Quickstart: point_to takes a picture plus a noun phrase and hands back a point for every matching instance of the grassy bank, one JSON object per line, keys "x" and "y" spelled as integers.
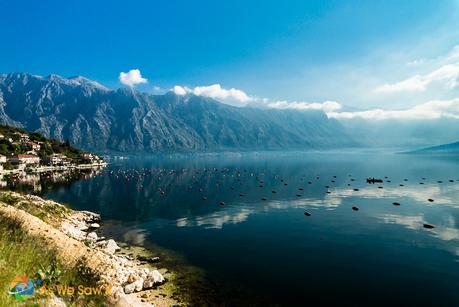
{"x": 24, "y": 255}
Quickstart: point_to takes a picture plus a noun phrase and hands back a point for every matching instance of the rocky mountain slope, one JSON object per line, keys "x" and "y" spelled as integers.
{"x": 96, "y": 118}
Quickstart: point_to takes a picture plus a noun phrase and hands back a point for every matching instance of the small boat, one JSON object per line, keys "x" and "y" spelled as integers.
{"x": 374, "y": 180}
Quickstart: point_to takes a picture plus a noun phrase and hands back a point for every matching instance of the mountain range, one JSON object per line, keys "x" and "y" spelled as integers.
{"x": 452, "y": 148}
{"x": 94, "y": 117}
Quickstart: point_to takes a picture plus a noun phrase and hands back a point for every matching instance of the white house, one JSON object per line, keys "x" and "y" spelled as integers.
{"x": 32, "y": 146}
{"x": 23, "y": 137}
{"x": 57, "y": 159}
{"x": 92, "y": 157}
{"x": 25, "y": 159}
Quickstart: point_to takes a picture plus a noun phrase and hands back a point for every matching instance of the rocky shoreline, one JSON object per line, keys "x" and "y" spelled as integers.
{"x": 126, "y": 279}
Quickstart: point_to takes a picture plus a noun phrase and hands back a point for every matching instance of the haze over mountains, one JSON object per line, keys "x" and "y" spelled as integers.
{"x": 94, "y": 117}
{"x": 402, "y": 134}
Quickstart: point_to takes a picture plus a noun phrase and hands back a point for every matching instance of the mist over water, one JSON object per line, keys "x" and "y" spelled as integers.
{"x": 240, "y": 217}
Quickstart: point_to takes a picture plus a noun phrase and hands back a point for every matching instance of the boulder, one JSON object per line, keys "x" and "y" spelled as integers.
{"x": 111, "y": 247}
{"x": 129, "y": 288}
{"x": 138, "y": 284}
{"x": 92, "y": 236}
{"x": 153, "y": 278}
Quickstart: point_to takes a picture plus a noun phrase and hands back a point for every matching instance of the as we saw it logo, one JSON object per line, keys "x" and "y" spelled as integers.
{"x": 22, "y": 288}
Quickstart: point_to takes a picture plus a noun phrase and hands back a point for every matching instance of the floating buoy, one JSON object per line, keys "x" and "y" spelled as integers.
{"x": 299, "y": 195}
{"x": 355, "y": 208}
{"x": 356, "y": 190}
{"x": 300, "y": 189}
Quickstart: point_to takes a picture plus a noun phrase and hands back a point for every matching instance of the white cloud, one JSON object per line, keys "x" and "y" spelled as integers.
{"x": 180, "y": 90}
{"x": 327, "y": 106}
{"x": 132, "y": 78}
{"x": 430, "y": 110}
{"x": 415, "y": 83}
{"x": 416, "y": 62}
{"x": 238, "y": 97}
{"x": 447, "y": 73}
{"x": 216, "y": 91}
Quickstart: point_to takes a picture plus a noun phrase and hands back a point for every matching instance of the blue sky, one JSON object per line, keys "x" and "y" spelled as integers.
{"x": 293, "y": 51}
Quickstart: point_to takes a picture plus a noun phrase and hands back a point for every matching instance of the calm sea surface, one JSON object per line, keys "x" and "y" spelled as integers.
{"x": 241, "y": 218}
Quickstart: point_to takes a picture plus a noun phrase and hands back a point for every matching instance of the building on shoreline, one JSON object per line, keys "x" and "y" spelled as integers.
{"x": 92, "y": 158}
{"x": 24, "y": 160}
{"x": 56, "y": 159}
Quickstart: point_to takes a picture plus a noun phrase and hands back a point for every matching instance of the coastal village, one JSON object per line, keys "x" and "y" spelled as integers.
{"x": 28, "y": 159}
{"x": 32, "y": 152}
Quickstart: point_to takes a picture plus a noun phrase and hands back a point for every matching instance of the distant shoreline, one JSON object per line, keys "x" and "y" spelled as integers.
{"x": 42, "y": 169}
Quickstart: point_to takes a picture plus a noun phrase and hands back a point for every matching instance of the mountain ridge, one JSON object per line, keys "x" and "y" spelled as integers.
{"x": 444, "y": 148}
{"x": 94, "y": 117}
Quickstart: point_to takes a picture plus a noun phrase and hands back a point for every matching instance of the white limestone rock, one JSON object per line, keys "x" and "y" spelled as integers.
{"x": 111, "y": 247}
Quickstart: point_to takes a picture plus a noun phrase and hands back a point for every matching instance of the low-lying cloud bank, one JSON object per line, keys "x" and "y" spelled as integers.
{"x": 216, "y": 91}
{"x": 435, "y": 109}
{"x": 239, "y": 98}
{"x": 327, "y": 106}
